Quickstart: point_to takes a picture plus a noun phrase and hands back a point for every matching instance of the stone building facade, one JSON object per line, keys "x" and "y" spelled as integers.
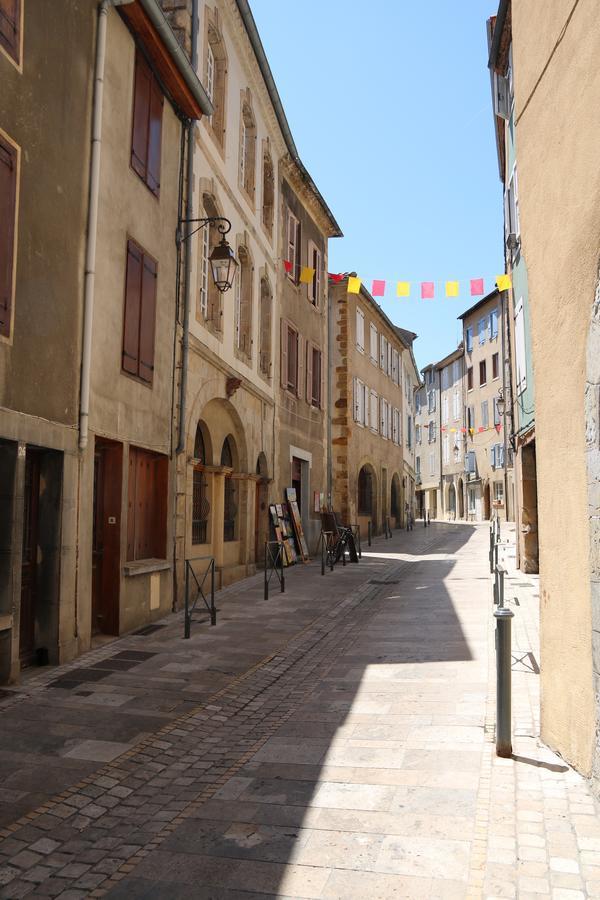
{"x": 369, "y": 412}
{"x": 488, "y": 469}
{"x": 427, "y": 445}
{"x": 453, "y": 434}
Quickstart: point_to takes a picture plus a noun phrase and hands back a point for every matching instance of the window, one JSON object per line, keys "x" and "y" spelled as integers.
{"x": 10, "y": 28}
{"x": 396, "y": 367}
{"x": 431, "y": 401}
{"x": 418, "y": 434}
{"x": 386, "y": 420}
{"x": 444, "y": 409}
{"x": 430, "y": 376}
{"x": 494, "y": 324}
{"x": 432, "y": 463}
{"x": 418, "y": 402}
{"x": 293, "y": 246}
{"x": 409, "y": 432}
{"x": 498, "y": 492}
{"x": 210, "y": 298}
{"x": 373, "y": 343}
{"x": 247, "y": 147}
{"x": 456, "y": 404}
{"x": 266, "y": 304}
{"x": 314, "y": 376}
{"x": 365, "y": 492}
{"x": 200, "y": 504}
{"x": 383, "y": 353}
{"x": 8, "y": 215}
{"x": 360, "y": 330}
{"x": 469, "y": 338}
{"x": 496, "y": 412}
{"x": 396, "y": 426}
{"x": 292, "y": 359}
{"x": 471, "y": 501}
{"x": 147, "y": 505}
{"x": 520, "y": 359}
{"x": 140, "y": 314}
{"x": 361, "y": 402}
{"x": 456, "y": 372}
{"x": 471, "y": 462}
{"x": 418, "y": 465}
{"x": 374, "y": 411}
{"x": 216, "y": 79}
{"x": 485, "y": 421}
{"x": 431, "y": 430}
{"x": 243, "y": 304}
{"x": 470, "y": 417}
{"x": 268, "y": 201}
{"x": 445, "y": 373}
{"x": 482, "y": 372}
{"x": 315, "y": 262}
{"x": 482, "y": 330}
{"x": 511, "y": 206}
{"x": 497, "y": 456}
{"x": 470, "y": 378}
{"x": 495, "y": 366}
{"x": 445, "y": 449}
{"x": 147, "y": 125}
{"x": 229, "y": 499}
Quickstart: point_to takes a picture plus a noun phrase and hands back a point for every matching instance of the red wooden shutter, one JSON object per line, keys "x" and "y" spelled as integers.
{"x": 284, "y": 354}
{"x": 10, "y": 27}
{"x": 154, "y": 137}
{"x": 131, "y": 323}
{"x": 8, "y": 184}
{"x": 147, "y": 319}
{"x": 142, "y": 89}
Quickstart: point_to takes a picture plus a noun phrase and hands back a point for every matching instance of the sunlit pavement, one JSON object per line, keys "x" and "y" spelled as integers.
{"x": 333, "y": 741}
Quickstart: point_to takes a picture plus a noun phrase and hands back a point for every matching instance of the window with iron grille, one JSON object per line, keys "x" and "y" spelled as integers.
{"x": 230, "y": 506}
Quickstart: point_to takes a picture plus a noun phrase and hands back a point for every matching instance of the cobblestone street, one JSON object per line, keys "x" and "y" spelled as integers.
{"x": 335, "y": 741}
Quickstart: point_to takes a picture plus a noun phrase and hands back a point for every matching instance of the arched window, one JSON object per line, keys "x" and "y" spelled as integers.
{"x": 230, "y": 504}
{"x": 268, "y": 204}
{"x": 247, "y": 147}
{"x": 215, "y": 77}
{"x": 243, "y": 304}
{"x": 266, "y": 301}
{"x": 200, "y": 504}
{"x": 210, "y": 299}
{"x": 365, "y": 492}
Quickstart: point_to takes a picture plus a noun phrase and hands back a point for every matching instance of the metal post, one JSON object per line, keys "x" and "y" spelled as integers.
{"x": 186, "y": 627}
{"x": 491, "y": 553}
{"x": 424, "y": 519}
{"x": 266, "y": 579}
{"x": 359, "y": 546}
{"x": 281, "y": 568}
{"x": 503, "y": 618}
{"x": 213, "y": 611}
{"x": 369, "y": 532}
{"x": 322, "y": 553}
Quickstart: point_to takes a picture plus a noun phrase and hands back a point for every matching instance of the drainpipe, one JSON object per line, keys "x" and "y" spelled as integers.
{"x": 187, "y": 296}
{"x": 92, "y": 225}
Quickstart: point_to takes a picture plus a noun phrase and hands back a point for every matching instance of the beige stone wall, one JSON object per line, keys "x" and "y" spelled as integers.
{"x": 559, "y": 188}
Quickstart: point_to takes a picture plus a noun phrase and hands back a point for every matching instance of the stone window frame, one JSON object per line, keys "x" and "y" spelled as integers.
{"x": 268, "y": 190}
{"x": 247, "y": 148}
{"x": 213, "y": 38}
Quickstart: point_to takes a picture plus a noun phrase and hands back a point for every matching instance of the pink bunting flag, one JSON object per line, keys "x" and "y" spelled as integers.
{"x": 378, "y": 289}
{"x": 464, "y": 430}
{"x": 481, "y": 428}
{"x": 476, "y": 287}
{"x": 287, "y": 265}
{"x": 427, "y": 290}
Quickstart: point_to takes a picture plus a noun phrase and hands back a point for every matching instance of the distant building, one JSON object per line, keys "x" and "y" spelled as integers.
{"x": 427, "y": 445}
{"x": 453, "y": 435}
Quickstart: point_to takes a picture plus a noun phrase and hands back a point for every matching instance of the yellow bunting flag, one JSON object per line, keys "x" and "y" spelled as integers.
{"x": 306, "y": 275}
{"x": 453, "y": 429}
{"x": 354, "y": 285}
{"x": 504, "y": 282}
{"x": 403, "y": 289}
{"x": 452, "y": 289}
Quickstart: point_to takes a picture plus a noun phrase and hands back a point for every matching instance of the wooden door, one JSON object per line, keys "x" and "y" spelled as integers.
{"x": 106, "y": 543}
{"x": 31, "y": 502}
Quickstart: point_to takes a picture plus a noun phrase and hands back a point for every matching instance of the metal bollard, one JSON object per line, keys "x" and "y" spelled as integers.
{"x": 424, "y": 519}
{"x": 187, "y": 623}
{"x": 369, "y": 532}
{"x": 503, "y": 618}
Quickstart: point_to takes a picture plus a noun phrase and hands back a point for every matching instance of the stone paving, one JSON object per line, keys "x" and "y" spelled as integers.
{"x": 335, "y": 741}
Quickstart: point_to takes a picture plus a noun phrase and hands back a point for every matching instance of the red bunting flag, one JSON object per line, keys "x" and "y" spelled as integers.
{"x": 287, "y": 265}
{"x": 481, "y": 428}
{"x": 335, "y": 278}
{"x": 378, "y": 289}
{"x": 464, "y": 430}
{"x": 476, "y": 287}
{"x": 427, "y": 290}
{"x": 498, "y": 427}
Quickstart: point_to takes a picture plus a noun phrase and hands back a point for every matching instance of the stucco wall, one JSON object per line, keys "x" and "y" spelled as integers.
{"x": 560, "y": 224}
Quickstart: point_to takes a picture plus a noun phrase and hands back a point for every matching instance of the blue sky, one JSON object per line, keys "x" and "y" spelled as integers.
{"x": 389, "y": 105}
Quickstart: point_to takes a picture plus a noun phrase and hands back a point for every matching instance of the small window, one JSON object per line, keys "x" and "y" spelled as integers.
{"x": 314, "y": 376}
{"x": 266, "y": 305}
{"x": 268, "y": 204}
{"x": 520, "y": 353}
{"x": 315, "y": 261}
{"x": 418, "y": 465}
{"x": 470, "y": 378}
{"x": 469, "y": 338}
{"x": 10, "y": 28}
{"x": 495, "y": 366}
{"x": 293, "y": 246}
{"x": 244, "y": 304}
{"x": 292, "y": 366}
{"x": 498, "y": 492}
{"x": 147, "y": 125}
{"x": 485, "y": 421}
{"x": 482, "y": 372}
{"x": 373, "y": 343}
{"x": 247, "y": 149}
{"x": 8, "y": 214}
{"x": 360, "y": 330}
{"x": 140, "y": 314}
{"x": 147, "y": 505}
{"x": 470, "y": 417}
{"x": 494, "y": 324}
{"x": 482, "y": 330}
{"x": 374, "y": 412}
{"x": 292, "y": 359}
{"x": 216, "y": 80}
{"x": 496, "y": 412}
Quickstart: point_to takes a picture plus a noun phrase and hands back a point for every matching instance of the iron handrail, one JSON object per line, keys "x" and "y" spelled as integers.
{"x": 209, "y": 602}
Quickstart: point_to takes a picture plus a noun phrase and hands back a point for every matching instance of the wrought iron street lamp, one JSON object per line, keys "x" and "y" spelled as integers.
{"x": 222, "y": 260}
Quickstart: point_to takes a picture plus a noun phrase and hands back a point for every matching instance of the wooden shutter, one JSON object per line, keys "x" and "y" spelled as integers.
{"x": 318, "y": 267}
{"x": 133, "y": 297}
{"x": 142, "y": 90}
{"x": 147, "y": 319}
{"x": 309, "y": 371}
{"x": 322, "y": 382}
{"x": 8, "y": 186}
{"x": 300, "y": 368}
{"x": 284, "y": 354}
{"x": 131, "y": 517}
{"x": 154, "y": 137}
{"x": 10, "y": 27}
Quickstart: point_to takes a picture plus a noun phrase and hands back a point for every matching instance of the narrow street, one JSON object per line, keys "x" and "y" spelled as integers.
{"x": 335, "y": 741}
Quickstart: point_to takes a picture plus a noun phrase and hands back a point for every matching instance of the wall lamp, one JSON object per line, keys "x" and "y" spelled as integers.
{"x": 222, "y": 260}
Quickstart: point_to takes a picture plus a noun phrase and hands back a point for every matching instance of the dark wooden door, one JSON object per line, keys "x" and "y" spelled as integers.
{"x": 106, "y": 543}
{"x": 31, "y": 503}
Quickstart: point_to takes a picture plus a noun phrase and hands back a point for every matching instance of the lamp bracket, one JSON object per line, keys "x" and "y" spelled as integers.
{"x": 223, "y": 227}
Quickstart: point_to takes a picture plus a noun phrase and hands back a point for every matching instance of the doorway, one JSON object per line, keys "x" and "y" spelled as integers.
{"x": 29, "y": 564}
{"x": 487, "y": 507}
{"x": 106, "y": 540}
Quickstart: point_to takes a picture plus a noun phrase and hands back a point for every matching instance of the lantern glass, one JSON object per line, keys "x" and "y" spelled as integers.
{"x": 223, "y": 265}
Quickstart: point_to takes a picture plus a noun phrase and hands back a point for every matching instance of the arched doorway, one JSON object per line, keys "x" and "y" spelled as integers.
{"x": 230, "y": 504}
{"x": 461, "y": 499}
{"x": 395, "y": 500}
{"x": 261, "y": 511}
{"x": 452, "y": 502}
{"x": 367, "y": 497}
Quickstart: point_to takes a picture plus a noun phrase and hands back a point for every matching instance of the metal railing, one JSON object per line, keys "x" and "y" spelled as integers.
{"x": 274, "y": 551}
{"x": 199, "y": 587}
